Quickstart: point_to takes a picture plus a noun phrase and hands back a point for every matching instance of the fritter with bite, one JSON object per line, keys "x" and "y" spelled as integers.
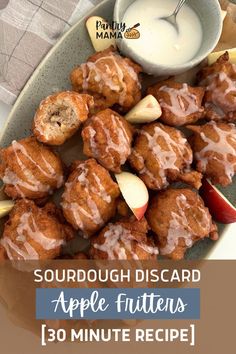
{"x": 60, "y": 115}
{"x": 179, "y": 218}
{"x": 107, "y": 137}
{"x": 162, "y": 155}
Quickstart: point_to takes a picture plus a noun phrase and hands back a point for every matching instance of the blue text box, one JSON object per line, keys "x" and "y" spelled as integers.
{"x": 164, "y": 303}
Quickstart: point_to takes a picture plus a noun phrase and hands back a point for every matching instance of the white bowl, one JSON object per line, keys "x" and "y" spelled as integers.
{"x": 209, "y": 13}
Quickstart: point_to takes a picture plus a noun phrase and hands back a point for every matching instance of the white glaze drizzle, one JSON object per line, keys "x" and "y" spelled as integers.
{"x": 179, "y": 226}
{"x": 17, "y": 146}
{"x": 28, "y": 228}
{"x": 32, "y": 183}
{"x": 11, "y": 178}
{"x": 122, "y": 146}
{"x": 73, "y": 207}
{"x": 218, "y": 95}
{"x": 222, "y": 147}
{"x": 98, "y": 190}
{"x": 35, "y": 234}
{"x": 92, "y": 142}
{"x": 101, "y": 191}
{"x": 165, "y": 158}
{"x": 104, "y": 77}
{"x": 28, "y": 254}
{"x": 178, "y": 98}
{"x": 116, "y": 234}
{"x": 77, "y": 210}
{"x": 145, "y": 170}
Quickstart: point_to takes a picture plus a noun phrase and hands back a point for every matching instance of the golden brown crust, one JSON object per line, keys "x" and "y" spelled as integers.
{"x": 162, "y": 155}
{"x": 89, "y": 199}
{"x": 214, "y": 146}
{"x": 181, "y": 104}
{"x": 122, "y": 208}
{"x": 110, "y": 78}
{"x": 80, "y": 256}
{"x": 30, "y": 169}
{"x": 33, "y": 233}
{"x": 52, "y": 210}
{"x": 179, "y": 219}
{"x": 107, "y": 137}
{"x": 220, "y": 97}
{"x": 60, "y": 115}
{"x": 126, "y": 239}
{"x": 3, "y": 253}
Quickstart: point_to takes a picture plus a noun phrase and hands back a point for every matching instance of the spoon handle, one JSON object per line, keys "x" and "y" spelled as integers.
{"x": 178, "y": 7}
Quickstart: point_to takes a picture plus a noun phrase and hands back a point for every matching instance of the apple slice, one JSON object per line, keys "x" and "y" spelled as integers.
{"x": 223, "y": 14}
{"x": 134, "y": 192}
{"x": 5, "y": 207}
{"x": 212, "y": 57}
{"x": 146, "y": 110}
{"x": 94, "y": 25}
{"x": 220, "y": 208}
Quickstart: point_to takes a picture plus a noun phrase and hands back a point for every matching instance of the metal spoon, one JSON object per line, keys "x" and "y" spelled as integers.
{"x": 172, "y": 18}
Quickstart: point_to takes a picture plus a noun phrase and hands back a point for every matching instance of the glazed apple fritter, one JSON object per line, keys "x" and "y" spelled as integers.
{"x": 59, "y": 116}
{"x": 181, "y": 104}
{"x": 33, "y": 233}
{"x": 30, "y": 169}
{"x": 179, "y": 219}
{"x": 89, "y": 199}
{"x": 110, "y": 78}
{"x": 214, "y": 146}
{"x": 162, "y": 155}
{"x": 125, "y": 239}
{"x": 219, "y": 80}
{"x": 107, "y": 137}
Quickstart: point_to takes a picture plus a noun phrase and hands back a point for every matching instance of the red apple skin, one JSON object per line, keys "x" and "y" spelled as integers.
{"x": 139, "y": 212}
{"x": 221, "y": 210}
{"x": 130, "y": 185}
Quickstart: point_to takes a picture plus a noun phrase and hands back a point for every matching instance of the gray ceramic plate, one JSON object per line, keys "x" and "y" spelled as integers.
{"x": 53, "y": 75}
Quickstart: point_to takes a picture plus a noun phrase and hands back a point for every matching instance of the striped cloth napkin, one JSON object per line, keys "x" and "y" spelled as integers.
{"x": 28, "y": 29}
